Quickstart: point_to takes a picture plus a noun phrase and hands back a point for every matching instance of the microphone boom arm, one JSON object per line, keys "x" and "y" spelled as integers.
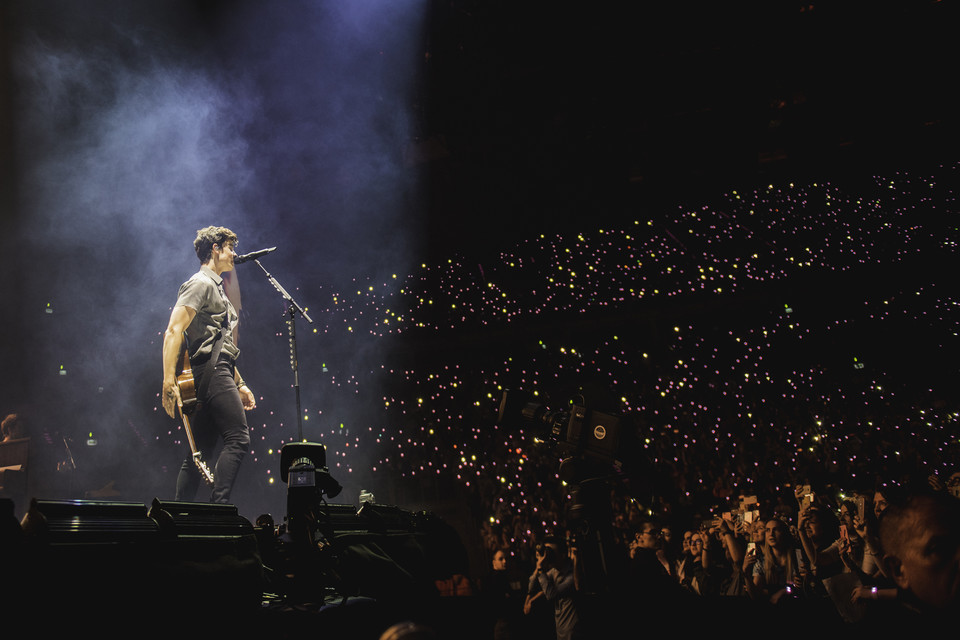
{"x": 283, "y": 292}
{"x": 293, "y": 308}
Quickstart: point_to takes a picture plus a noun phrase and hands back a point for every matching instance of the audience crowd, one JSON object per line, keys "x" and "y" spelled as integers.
{"x": 763, "y": 434}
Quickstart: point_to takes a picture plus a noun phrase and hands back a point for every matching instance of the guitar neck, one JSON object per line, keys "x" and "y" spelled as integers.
{"x": 189, "y": 430}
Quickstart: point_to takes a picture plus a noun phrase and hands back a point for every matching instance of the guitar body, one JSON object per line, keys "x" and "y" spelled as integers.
{"x": 187, "y": 405}
{"x": 188, "y": 392}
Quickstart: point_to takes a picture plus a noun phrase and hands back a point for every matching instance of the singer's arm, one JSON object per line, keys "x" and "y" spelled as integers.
{"x": 180, "y": 318}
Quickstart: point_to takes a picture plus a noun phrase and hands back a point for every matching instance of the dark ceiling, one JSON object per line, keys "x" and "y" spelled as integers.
{"x": 574, "y": 109}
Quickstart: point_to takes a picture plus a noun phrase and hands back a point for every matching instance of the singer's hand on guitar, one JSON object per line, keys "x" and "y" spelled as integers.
{"x": 180, "y": 317}
{"x": 249, "y": 401}
{"x": 170, "y": 395}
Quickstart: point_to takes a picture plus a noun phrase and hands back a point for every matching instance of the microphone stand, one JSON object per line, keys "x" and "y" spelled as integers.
{"x": 293, "y": 309}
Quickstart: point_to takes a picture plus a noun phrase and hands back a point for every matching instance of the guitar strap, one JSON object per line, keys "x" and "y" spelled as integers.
{"x": 214, "y": 355}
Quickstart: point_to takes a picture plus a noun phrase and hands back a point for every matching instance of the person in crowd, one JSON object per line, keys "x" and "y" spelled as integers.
{"x": 714, "y": 570}
{"x": 880, "y": 498}
{"x": 554, "y": 577}
{"x": 502, "y": 591}
{"x": 920, "y": 537}
{"x": 647, "y": 573}
{"x": 951, "y": 484}
{"x": 776, "y": 572}
{"x": 670, "y": 549}
{"x": 734, "y": 549}
{"x": 685, "y": 570}
{"x": 835, "y": 554}
{"x": 699, "y": 563}
{"x": 818, "y": 530}
{"x": 876, "y": 588}
{"x": 12, "y": 428}
{"x": 866, "y": 525}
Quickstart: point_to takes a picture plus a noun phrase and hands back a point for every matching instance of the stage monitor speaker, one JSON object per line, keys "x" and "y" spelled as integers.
{"x": 183, "y": 520}
{"x": 93, "y": 557}
{"x": 81, "y": 557}
{"x": 383, "y": 518}
{"x": 336, "y": 518}
{"x": 87, "y": 522}
{"x": 212, "y": 555}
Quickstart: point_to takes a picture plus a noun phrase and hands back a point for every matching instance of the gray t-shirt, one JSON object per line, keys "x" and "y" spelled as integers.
{"x": 204, "y": 293}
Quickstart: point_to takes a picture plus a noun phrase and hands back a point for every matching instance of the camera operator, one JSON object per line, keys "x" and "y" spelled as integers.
{"x": 555, "y": 577}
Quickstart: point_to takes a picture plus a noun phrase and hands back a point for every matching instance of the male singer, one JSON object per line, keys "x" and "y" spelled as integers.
{"x": 205, "y": 316}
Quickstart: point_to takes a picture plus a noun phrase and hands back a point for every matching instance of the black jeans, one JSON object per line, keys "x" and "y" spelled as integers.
{"x": 220, "y": 414}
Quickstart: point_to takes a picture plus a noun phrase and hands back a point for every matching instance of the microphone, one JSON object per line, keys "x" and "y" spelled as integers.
{"x": 253, "y": 255}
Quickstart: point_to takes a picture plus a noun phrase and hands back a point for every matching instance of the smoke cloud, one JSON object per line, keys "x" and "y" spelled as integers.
{"x": 138, "y": 123}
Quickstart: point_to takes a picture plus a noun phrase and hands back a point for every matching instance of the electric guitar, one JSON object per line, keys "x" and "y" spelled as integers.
{"x": 187, "y": 403}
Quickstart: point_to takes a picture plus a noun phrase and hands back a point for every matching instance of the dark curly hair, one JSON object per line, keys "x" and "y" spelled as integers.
{"x": 209, "y": 236}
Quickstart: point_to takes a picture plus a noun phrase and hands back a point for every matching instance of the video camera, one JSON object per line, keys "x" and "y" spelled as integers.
{"x": 592, "y": 445}
{"x": 580, "y": 433}
{"x": 303, "y": 467}
{"x": 328, "y": 552}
